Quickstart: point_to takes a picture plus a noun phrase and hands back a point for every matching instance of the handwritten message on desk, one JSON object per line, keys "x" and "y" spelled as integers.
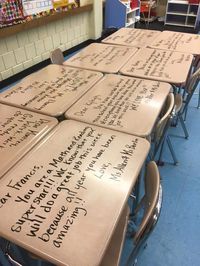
{"x": 51, "y": 90}
{"x": 132, "y": 37}
{"x": 19, "y": 131}
{"x": 177, "y": 41}
{"x": 63, "y": 200}
{"x": 160, "y": 65}
{"x": 122, "y": 103}
{"x": 101, "y": 57}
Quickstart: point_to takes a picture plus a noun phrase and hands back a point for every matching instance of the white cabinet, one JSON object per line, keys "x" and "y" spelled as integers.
{"x": 120, "y": 14}
{"x": 182, "y": 13}
{"x": 132, "y": 16}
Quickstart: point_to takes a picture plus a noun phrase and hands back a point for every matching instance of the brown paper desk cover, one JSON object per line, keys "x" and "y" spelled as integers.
{"x": 163, "y": 65}
{"x": 125, "y": 104}
{"x": 20, "y": 130}
{"x": 63, "y": 200}
{"x": 177, "y": 41}
{"x": 132, "y": 37}
{"x": 101, "y": 57}
{"x": 52, "y": 90}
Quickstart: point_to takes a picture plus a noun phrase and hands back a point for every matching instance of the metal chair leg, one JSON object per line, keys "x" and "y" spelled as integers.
{"x": 174, "y": 121}
{"x": 183, "y": 126}
{"x": 185, "y": 114}
{"x": 171, "y": 150}
{"x": 160, "y": 162}
{"x": 198, "y": 106}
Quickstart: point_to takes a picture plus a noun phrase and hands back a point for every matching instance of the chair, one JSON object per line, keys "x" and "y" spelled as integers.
{"x": 113, "y": 252}
{"x": 178, "y": 103}
{"x": 151, "y": 206}
{"x": 6, "y": 255}
{"x": 160, "y": 136}
{"x": 196, "y": 67}
{"x": 57, "y": 57}
{"x": 182, "y": 101}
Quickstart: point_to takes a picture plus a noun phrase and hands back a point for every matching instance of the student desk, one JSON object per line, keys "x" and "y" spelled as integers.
{"x": 177, "y": 41}
{"x": 20, "y": 130}
{"x": 132, "y": 37}
{"x": 122, "y": 103}
{"x": 66, "y": 196}
{"x": 101, "y": 57}
{"x": 52, "y": 90}
{"x": 163, "y": 65}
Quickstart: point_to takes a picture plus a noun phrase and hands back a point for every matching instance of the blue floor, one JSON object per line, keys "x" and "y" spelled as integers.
{"x": 176, "y": 238}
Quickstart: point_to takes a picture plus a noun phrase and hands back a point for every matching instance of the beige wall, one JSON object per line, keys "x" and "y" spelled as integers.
{"x": 85, "y": 2}
{"x": 30, "y": 47}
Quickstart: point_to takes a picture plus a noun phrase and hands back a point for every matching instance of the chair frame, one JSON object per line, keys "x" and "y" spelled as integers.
{"x": 165, "y": 138}
{"x": 141, "y": 237}
{"x": 189, "y": 90}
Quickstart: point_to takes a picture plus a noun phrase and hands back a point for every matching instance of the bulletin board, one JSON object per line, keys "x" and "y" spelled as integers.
{"x": 20, "y": 11}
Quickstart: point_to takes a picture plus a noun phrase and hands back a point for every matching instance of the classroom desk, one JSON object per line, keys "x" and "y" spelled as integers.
{"x": 101, "y": 57}
{"x": 163, "y": 65}
{"x": 132, "y": 37}
{"x": 20, "y": 130}
{"x": 52, "y": 90}
{"x": 63, "y": 200}
{"x": 177, "y": 41}
{"x": 122, "y": 103}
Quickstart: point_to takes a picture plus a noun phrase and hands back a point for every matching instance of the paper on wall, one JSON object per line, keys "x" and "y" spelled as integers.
{"x": 36, "y": 6}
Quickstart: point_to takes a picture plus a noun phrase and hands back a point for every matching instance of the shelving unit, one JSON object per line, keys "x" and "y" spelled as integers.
{"x": 182, "y": 13}
{"x": 119, "y": 14}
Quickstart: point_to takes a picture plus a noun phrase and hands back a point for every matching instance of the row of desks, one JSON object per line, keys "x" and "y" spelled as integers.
{"x": 112, "y": 101}
{"x": 156, "y": 64}
{"x": 62, "y": 201}
{"x": 166, "y": 40}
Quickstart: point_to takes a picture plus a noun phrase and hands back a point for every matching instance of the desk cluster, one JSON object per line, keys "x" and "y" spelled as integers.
{"x": 74, "y": 137}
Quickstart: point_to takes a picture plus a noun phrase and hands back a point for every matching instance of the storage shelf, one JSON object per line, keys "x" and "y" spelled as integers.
{"x": 190, "y": 25}
{"x": 132, "y": 10}
{"x": 181, "y": 14}
{"x": 191, "y": 15}
{"x": 177, "y": 13}
{"x": 130, "y": 24}
{"x": 152, "y": 18}
{"x": 182, "y": 2}
{"x": 179, "y": 24}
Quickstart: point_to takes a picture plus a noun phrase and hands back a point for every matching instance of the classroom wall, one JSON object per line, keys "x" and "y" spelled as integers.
{"x": 25, "y": 49}
{"x": 161, "y": 8}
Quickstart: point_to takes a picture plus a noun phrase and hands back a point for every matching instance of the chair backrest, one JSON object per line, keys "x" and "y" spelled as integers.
{"x": 163, "y": 123}
{"x": 190, "y": 87}
{"x": 57, "y": 57}
{"x": 196, "y": 63}
{"x": 152, "y": 202}
{"x": 193, "y": 81}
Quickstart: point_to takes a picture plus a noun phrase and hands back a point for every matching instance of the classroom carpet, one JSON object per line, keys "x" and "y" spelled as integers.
{"x": 175, "y": 240}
